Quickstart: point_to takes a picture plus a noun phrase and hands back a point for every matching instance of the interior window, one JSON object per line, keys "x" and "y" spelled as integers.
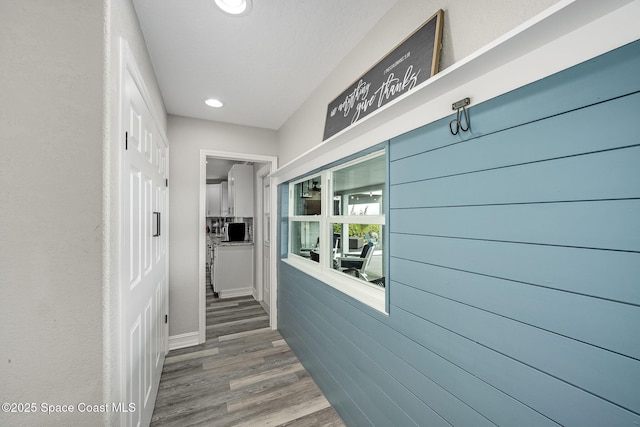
{"x": 305, "y": 236}
{"x": 340, "y": 232}
{"x": 358, "y": 192}
{"x": 358, "y": 251}
{"x": 307, "y": 196}
{"x": 357, "y": 189}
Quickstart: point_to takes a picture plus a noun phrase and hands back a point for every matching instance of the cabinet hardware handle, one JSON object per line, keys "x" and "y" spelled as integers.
{"x": 156, "y": 220}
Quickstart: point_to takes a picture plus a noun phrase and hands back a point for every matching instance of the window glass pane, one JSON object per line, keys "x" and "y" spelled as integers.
{"x": 358, "y": 251}
{"x": 305, "y": 237}
{"x": 307, "y": 196}
{"x": 358, "y": 188}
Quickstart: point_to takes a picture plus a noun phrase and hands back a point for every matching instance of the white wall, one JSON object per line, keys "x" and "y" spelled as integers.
{"x": 188, "y": 137}
{"x": 58, "y": 200}
{"x": 51, "y": 207}
{"x": 468, "y": 26}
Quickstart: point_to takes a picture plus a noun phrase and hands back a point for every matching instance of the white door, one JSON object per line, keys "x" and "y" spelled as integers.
{"x": 266, "y": 242}
{"x": 144, "y": 257}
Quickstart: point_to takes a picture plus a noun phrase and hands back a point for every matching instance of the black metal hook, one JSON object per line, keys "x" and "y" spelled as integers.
{"x": 456, "y": 125}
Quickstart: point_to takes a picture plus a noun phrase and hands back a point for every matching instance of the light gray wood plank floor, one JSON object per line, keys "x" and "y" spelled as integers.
{"x": 244, "y": 375}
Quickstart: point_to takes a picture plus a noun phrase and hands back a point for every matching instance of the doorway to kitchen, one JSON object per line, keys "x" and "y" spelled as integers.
{"x": 219, "y": 221}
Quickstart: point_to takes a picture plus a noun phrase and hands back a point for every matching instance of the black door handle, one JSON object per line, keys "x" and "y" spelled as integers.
{"x": 156, "y": 219}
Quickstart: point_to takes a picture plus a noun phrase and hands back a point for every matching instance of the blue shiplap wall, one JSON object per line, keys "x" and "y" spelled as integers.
{"x": 514, "y": 268}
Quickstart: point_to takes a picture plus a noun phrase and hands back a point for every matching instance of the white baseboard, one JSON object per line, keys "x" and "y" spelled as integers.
{"x": 265, "y": 306}
{"x": 184, "y": 340}
{"x": 241, "y": 292}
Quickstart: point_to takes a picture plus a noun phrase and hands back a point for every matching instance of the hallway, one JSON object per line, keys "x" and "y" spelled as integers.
{"x": 244, "y": 375}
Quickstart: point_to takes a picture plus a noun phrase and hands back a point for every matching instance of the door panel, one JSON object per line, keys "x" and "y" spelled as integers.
{"x": 134, "y": 257}
{"x": 146, "y": 236}
{"x": 144, "y": 287}
{"x": 134, "y": 388}
{"x": 148, "y": 353}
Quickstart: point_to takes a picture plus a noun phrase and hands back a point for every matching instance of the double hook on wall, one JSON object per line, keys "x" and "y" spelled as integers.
{"x": 456, "y": 125}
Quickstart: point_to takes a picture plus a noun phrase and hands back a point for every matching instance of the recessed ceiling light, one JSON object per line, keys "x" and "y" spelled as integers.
{"x": 234, "y": 7}
{"x": 215, "y": 103}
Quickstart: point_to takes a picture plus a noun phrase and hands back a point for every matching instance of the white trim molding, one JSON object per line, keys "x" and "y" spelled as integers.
{"x": 183, "y": 340}
{"x": 566, "y": 34}
{"x": 204, "y": 153}
{"x": 241, "y": 292}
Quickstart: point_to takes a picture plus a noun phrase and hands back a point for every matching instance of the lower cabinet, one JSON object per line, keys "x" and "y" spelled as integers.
{"x": 233, "y": 270}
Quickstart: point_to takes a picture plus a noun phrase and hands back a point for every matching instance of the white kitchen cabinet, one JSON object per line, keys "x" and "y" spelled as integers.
{"x": 213, "y": 199}
{"x": 241, "y": 191}
{"x": 217, "y": 203}
{"x": 224, "y": 198}
{"x": 233, "y": 270}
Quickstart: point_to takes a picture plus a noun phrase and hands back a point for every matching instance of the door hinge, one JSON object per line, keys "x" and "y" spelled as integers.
{"x": 126, "y": 140}
{"x": 166, "y": 182}
{"x": 166, "y": 318}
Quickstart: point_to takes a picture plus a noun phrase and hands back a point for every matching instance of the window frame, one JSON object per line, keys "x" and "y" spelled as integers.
{"x": 369, "y": 294}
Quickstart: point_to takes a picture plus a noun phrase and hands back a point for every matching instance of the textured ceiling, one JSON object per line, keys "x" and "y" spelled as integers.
{"x": 262, "y": 66}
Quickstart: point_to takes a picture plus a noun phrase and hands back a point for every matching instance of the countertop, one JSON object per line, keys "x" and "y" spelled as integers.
{"x": 234, "y": 244}
{"x": 217, "y": 241}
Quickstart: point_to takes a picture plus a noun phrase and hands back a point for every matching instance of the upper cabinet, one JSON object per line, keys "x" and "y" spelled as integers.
{"x": 217, "y": 204}
{"x": 241, "y": 190}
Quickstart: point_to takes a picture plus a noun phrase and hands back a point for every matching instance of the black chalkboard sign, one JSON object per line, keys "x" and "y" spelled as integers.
{"x": 414, "y": 60}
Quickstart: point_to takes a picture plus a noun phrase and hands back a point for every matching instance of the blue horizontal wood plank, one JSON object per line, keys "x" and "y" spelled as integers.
{"x": 496, "y": 406}
{"x": 367, "y": 413}
{"x": 341, "y": 401}
{"x": 337, "y": 355}
{"x": 446, "y": 405}
{"x": 611, "y": 225}
{"x": 603, "y": 175}
{"x": 604, "y": 274}
{"x": 537, "y": 319}
{"x": 341, "y": 334}
{"x": 606, "y": 77}
{"x": 556, "y": 399}
{"x": 297, "y": 338}
{"x": 317, "y": 359}
{"x": 424, "y": 139}
{"x": 346, "y": 339}
{"x": 600, "y": 127}
{"x": 399, "y": 379}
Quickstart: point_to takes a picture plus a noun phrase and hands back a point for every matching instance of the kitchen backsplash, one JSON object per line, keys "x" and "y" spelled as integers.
{"x": 215, "y": 225}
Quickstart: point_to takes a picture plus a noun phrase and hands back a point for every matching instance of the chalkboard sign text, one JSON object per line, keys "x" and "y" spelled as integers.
{"x": 412, "y": 62}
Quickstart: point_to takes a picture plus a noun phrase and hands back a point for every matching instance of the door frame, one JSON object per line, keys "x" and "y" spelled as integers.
{"x": 258, "y": 235}
{"x": 202, "y": 298}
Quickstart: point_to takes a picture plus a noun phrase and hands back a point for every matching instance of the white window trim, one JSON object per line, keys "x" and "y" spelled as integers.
{"x": 357, "y": 219}
{"x": 369, "y": 294}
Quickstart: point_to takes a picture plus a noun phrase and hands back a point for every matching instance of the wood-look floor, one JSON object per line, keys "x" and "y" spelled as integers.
{"x": 244, "y": 375}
